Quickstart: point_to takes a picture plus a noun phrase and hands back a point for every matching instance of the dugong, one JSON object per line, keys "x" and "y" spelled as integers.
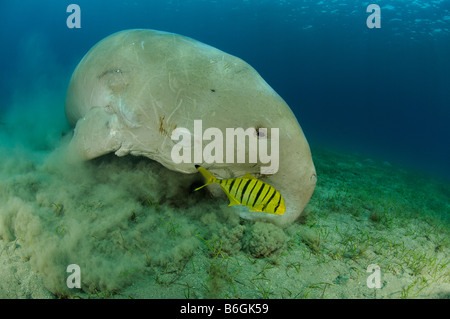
{"x": 137, "y": 89}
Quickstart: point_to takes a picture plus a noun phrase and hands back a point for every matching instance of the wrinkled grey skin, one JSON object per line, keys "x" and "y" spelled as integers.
{"x": 133, "y": 88}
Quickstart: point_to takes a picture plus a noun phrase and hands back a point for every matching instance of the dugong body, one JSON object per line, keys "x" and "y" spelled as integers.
{"x": 133, "y": 89}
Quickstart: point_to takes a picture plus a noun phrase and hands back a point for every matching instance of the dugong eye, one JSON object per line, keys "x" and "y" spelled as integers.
{"x": 260, "y": 131}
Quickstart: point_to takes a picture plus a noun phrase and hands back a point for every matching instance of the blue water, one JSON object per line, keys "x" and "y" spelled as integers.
{"x": 383, "y": 92}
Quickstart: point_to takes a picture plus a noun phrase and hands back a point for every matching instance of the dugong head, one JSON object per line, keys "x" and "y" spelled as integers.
{"x": 179, "y": 101}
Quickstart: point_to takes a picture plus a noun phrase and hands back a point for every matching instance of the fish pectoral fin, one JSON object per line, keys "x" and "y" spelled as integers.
{"x": 233, "y": 202}
{"x": 247, "y": 175}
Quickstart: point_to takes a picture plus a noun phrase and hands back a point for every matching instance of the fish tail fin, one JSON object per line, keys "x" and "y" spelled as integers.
{"x": 210, "y": 179}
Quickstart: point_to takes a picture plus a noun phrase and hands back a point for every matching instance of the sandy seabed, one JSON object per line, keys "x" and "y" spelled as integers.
{"x": 138, "y": 230}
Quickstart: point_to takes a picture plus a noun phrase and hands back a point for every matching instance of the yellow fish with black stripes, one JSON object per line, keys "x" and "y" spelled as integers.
{"x": 248, "y": 191}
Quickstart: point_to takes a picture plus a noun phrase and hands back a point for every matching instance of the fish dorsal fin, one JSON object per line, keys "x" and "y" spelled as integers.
{"x": 248, "y": 176}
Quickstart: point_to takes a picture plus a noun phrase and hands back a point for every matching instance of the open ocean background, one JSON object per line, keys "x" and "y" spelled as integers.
{"x": 382, "y": 92}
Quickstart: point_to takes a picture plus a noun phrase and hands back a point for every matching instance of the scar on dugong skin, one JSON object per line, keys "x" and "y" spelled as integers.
{"x": 133, "y": 88}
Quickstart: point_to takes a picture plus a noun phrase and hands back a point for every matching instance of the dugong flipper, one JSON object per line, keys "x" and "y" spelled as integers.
{"x": 134, "y": 88}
